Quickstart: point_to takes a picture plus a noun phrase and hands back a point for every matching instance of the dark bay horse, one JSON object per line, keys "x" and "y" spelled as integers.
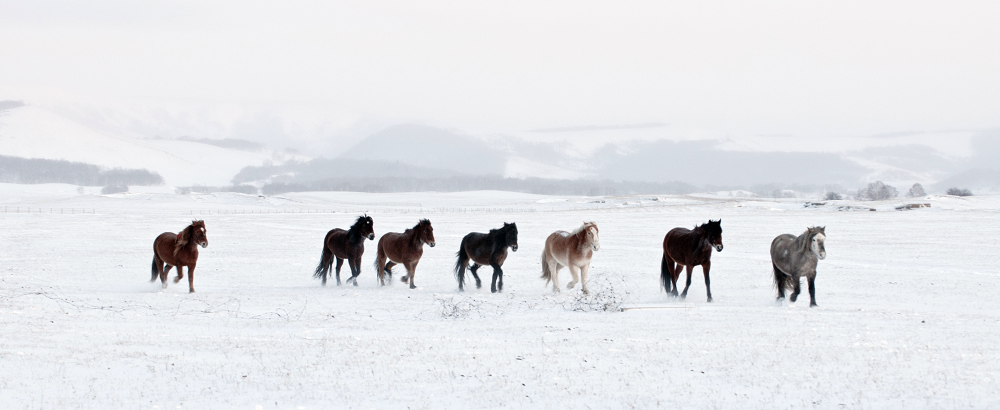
{"x": 689, "y": 248}
{"x": 180, "y": 249}
{"x": 486, "y": 249}
{"x": 403, "y": 248}
{"x": 349, "y": 245}
{"x": 573, "y": 250}
{"x": 795, "y": 256}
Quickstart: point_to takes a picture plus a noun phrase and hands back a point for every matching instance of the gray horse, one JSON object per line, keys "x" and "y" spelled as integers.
{"x": 793, "y": 257}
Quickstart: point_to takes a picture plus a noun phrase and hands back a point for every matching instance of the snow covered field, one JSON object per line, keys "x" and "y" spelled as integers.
{"x": 908, "y": 317}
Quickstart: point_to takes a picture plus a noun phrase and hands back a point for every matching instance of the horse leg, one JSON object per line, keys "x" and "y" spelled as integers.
{"x": 355, "y": 265}
{"x": 687, "y": 268}
{"x": 411, "y": 270}
{"x": 675, "y": 272}
{"x": 708, "y": 287}
{"x": 473, "y": 269}
{"x": 340, "y": 262}
{"x": 583, "y": 277}
{"x": 497, "y": 272}
{"x": 180, "y": 273}
{"x": 388, "y": 270}
{"x": 190, "y": 278}
{"x": 554, "y": 268}
{"x": 163, "y": 275}
{"x": 812, "y": 290}
{"x": 573, "y": 270}
{"x": 796, "y": 288}
{"x": 780, "y": 280}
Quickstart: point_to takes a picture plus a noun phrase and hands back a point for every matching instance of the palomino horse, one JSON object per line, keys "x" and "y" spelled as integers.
{"x": 793, "y": 257}
{"x": 689, "y": 248}
{"x": 349, "y": 245}
{"x": 403, "y": 248}
{"x": 486, "y": 249}
{"x": 573, "y": 250}
{"x": 178, "y": 250}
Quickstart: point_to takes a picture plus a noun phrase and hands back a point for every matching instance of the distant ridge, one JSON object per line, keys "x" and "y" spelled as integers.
{"x": 603, "y": 127}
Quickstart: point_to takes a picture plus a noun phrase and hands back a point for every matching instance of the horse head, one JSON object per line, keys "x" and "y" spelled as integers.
{"x": 366, "y": 227}
{"x": 817, "y": 242}
{"x": 592, "y": 235}
{"x": 425, "y": 232}
{"x": 199, "y": 233}
{"x": 510, "y": 229}
{"x": 713, "y": 233}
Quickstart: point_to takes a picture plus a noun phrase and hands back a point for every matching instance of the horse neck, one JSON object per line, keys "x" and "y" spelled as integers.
{"x": 414, "y": 237}
{"x": 354, "y": 234}
{"x": 802, "y": 242}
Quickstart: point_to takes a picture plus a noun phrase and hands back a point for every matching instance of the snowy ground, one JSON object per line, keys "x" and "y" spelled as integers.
{"x": 908, "y": 314}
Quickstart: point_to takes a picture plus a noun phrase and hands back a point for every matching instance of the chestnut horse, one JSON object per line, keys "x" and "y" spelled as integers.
{"x": 349, "y": 245}
{"x": 689, "y": 248}
{"x": 403, "y": 248}
{"x": 178, "y": 250}
{"x": 573, "y": 250}
{"x": 486, "y": 249}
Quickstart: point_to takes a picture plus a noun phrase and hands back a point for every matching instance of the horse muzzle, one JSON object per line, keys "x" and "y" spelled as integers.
{"x": 371, "y": 236}
{"x": 514, "y": 247}
{"x": 431, "y": 244}
{"x": 822, "y": 255}
{"x": 204, "y": 244}
{"x": 718, "y": 248}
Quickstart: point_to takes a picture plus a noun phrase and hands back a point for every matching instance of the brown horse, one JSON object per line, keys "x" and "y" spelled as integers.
{"x": 403, "y": 248}
{"x": 689, "y": 248}
{"x": 570, "y": 249}
{"x": 178, "y": 250}
{"x": 349, "y": 245}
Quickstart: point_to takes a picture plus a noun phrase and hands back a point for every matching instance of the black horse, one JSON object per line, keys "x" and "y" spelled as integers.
{"x": 350, "y": 245}
{"x": 486, "y": 249}
{"x": 689, "y": 248}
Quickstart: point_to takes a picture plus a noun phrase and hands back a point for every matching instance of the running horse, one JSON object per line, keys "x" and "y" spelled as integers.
{"x": 403, "y": 248}
{"x": 349, "y": 245}
{"x": 573, "y": 250}
{"x": 486, "y": 249}
{"x": 795, "y": 256}
{"x": 689, "y": 248}
{"x": 178, "y": 250}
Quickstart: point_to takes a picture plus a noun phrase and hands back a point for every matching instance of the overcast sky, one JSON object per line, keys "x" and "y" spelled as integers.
{"x": 809, "y": 69}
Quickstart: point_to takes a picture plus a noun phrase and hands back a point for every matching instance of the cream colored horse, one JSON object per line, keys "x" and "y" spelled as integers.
{"x": 570, "y": 249}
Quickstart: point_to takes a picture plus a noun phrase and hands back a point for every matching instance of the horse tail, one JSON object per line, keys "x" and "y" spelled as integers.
{"x": 782, "y": 280}
{"x": 666, "y": 277}
{"x": 546, "y": 272}
{"x": 156, "y": 270}
{"x": 325, "y": 260}
{"x": 463, "y": 259}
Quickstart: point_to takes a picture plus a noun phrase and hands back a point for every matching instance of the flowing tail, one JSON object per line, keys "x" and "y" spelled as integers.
{"x": 325, "y": 261}
{"x": 156, "y": 270}
{"x": 463, "y": 260}
{"x": 666, "y": 277}
{"x": 546, "y": 272}
{"x": 782, "y": 280}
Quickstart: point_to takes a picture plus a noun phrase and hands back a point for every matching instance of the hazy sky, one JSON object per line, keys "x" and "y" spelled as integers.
{"x": 722, "y": 68}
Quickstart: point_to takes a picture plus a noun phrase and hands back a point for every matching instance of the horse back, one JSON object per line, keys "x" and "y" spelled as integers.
{"x": 396, "y": 247}
{"x": 564, "y": 248}
{"x": 682, "y": 245}
{"x": 479, "y": 248}
{"x": 791, "y": 260}
{"x": 336, "y": 241}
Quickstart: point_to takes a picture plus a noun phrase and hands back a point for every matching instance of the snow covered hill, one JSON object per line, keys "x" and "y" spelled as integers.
{"x": 33, "y": 132}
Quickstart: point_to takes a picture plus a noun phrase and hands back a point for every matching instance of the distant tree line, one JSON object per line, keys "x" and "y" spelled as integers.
{"x": 18, "y": 170}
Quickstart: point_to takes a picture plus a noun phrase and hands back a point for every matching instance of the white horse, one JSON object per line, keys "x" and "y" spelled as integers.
{"x": 570, "y": 249}
{"x": 793, "y": 257}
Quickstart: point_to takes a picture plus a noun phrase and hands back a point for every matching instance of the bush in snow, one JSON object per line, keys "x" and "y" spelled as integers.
{"x": 959, "y": 192}
{"x": 114, "y": 189}
{"x": 916, "y": 190}
{"x": 877, "y": 191}
{"x": 833, "y": 196}
{"x": 608, "y": 292}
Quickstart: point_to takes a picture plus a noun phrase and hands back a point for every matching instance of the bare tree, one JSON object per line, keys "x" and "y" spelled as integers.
{"x": 959, "y": 192}
{"x": 916, "y": 190}
{"x": 877, "y": 191}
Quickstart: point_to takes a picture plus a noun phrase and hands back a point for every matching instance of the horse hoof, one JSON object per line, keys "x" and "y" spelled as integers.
{"x": 493, "y": 290}
{"x": 412, "y": 286}
{"x": 709, "y": 300}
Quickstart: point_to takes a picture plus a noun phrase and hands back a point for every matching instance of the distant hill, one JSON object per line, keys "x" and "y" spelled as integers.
{"x": 32, "y": 132}
{"x": 429, "y": 147}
